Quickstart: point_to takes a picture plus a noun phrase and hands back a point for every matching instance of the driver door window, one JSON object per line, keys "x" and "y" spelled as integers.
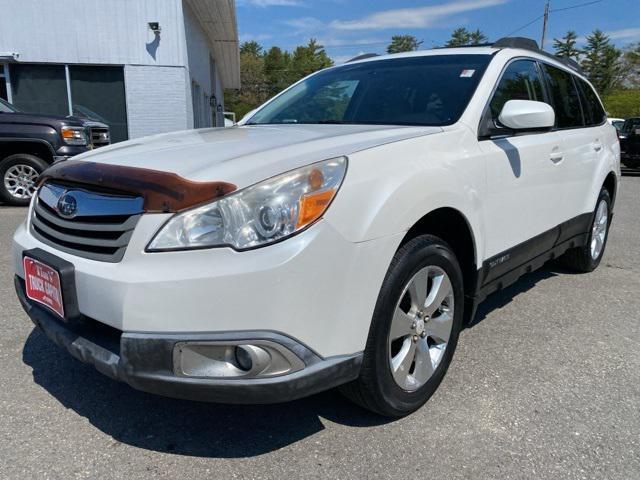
{"x": 520, "y": 81}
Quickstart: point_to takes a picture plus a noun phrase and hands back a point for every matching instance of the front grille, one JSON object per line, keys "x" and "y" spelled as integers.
{"x": 99, "y": 136}
{"x": 100, "y": 229}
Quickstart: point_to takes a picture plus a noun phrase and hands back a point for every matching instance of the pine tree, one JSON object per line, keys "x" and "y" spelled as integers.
{"x": 309, "y": 58}
{"x": 251, "y": 48}
{"x": 477, "y": 38}
{"x": 460, "y": 37}
{"x": 566, "y": 46}
{"x": 602, "y": 62}
{"x": 403, "y": 43}
{"x": 277, "y": 68}
{"x": 631, "y": 65}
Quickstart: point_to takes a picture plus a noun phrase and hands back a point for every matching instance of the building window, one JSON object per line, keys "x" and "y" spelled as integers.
{"x": 97, "y": 93}
{"x": 94, "y": 93}
{"x": 39, "y": 89}
{"x": 195, "y": 102}
{"x": 4, "y": 88}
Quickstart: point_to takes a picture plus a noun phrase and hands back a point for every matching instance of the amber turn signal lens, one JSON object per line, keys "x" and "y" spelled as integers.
{"x": 313, "y": 205}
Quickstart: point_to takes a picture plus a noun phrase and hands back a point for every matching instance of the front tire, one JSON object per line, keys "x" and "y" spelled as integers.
{"x": 414, "y": 330}
{"x": 18, "y": 176}
{"x": 587, "y": 258}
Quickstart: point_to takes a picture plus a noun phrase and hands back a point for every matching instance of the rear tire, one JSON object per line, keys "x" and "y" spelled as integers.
{"x": 587, "y": 258}
{"x": 411, "y": 341}
{"x": 18, "y": 176}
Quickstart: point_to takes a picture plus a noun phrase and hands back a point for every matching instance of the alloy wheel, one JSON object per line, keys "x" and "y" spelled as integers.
{"x": 421, "y": 327}
{"x": 599, "y": 229}
{"x": 20, "y": 181}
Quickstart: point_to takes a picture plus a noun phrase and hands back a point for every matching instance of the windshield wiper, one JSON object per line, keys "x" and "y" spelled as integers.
{"x": 327, "y": 122}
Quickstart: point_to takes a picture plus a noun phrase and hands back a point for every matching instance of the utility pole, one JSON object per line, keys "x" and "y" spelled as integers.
{"x": 544, "y": 24}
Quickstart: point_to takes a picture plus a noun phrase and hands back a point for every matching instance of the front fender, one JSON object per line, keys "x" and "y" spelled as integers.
{"x": 390, "y": 188}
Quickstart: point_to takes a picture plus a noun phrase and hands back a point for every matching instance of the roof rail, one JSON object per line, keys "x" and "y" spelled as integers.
{"x": 517, "y": 42}
{"x": 529, "y": 44}
{"x": 362, "y": 57}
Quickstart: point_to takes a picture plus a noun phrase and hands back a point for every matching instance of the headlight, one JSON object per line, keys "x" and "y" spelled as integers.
{"x": 74, "y": 135}
{"x": 258, "y": 215}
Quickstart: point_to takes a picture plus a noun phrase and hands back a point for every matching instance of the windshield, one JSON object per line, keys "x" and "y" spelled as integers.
{"x": 6, "y": 107}
{"x": 83, "y": 112}
{"x": 427, "y": 90}
{"x": 631, "y": 124}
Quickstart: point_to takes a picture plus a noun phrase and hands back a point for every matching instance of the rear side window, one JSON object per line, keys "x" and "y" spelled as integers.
{"x": 593, "y": 112}
{"x": 565, "y": 98}
{"x": 520, "y": 81}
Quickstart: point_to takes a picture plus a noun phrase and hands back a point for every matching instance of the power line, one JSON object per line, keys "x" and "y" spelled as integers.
{"x": 575, "y": 6}
{"x": 571, "y": 7}
{"x": 525, "y": 26}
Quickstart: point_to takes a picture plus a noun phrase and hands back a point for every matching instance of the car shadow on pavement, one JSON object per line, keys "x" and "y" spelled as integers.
{"x": 177, "y": 426}
{"x": 205, "y": 429}
{"x": 525, "y": 283}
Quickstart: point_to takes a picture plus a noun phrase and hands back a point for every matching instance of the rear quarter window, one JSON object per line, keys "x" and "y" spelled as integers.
{"x": 594, "y": 114}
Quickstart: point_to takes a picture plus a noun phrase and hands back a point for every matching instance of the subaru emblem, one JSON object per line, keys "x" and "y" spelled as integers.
{"x": 67, "y": 205}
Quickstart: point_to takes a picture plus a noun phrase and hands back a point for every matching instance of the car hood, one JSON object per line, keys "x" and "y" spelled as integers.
{"x": 37, "y": 118}
{"x": 244, "y": 155}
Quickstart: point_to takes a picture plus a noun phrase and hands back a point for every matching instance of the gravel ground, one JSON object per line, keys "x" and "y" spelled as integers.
{"x": 545, "y": 385}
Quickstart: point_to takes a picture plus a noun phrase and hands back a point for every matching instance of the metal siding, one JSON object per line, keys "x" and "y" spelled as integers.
{"x": 92, "y": 31}
{"x": 159, "y": 109}
{"x": 197, "y": 47}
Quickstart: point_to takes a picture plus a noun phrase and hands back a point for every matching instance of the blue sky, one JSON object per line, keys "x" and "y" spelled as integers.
{"x": 350, "y": 27}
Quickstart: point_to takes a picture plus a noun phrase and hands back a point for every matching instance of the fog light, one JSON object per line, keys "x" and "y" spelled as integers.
{"x": 243, "y": 358}
{"x": 233, "y": 359}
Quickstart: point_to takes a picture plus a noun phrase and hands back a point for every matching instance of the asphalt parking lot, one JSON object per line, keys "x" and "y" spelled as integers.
{"x": 546, "y": 384}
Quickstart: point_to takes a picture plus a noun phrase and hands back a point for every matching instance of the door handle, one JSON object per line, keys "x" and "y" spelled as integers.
{"x": 556, "y": 157}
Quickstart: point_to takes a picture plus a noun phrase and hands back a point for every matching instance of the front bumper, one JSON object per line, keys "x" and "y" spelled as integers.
{"x": 145, "y": 361}
{"x": 316, "y": 287}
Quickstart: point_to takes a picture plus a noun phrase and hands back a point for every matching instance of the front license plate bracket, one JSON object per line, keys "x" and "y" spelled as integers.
{"x": 67, "y": 274}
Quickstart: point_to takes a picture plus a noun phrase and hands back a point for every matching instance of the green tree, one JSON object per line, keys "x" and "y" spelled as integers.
{"x": 277, "y": 68}
{"x": 264, "y": 74}
{"x": 461, "y": 37}
{"x": 631, "y": 65}
{"x": 307, "y": 59}
{"x": 254, "y": 86}
{"x": 602, "y": 62}
{"x": 622, "y": 103}
{"x": 403, "y": 43}
{"x": 566, "y": 46}
{"x": 477, "y": 38}
{"x": 251, "y": 48}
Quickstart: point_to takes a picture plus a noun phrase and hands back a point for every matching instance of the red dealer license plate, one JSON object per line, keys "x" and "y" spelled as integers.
{"x": 43, "y": 285}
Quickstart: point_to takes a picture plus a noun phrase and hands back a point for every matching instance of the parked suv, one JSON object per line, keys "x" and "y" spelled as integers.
{"x": 629, "y": 135}
{"x": 31, "y": 142}
{"x": 343, "y": 235}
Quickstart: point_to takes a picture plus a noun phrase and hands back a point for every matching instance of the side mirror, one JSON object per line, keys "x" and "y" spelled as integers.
{"x": 527, "y": 115}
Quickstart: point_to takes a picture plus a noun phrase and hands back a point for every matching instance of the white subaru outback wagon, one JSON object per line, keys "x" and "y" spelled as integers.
{"x": 342, "y": 235}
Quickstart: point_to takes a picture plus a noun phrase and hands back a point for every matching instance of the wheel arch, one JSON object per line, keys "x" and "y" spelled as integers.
{"x": 37, "y": 147}
{"x": 452, "y": 226}
{"x": 611, "y": 184}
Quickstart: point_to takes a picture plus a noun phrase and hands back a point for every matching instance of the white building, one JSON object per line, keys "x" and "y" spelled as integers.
{"x": 141, "y": 66}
